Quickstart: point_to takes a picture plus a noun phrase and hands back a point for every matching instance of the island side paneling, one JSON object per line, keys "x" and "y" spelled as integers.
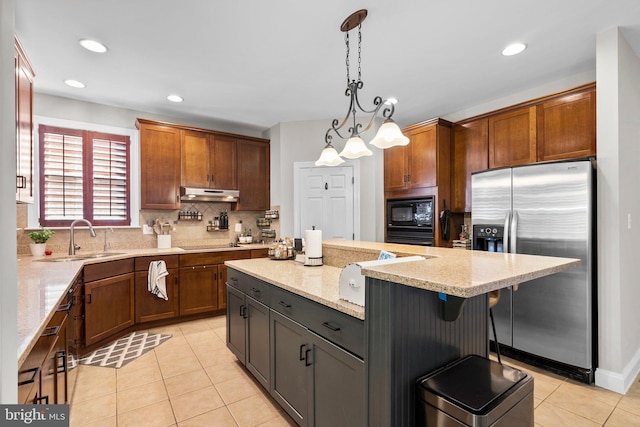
{"x": 406, "y": 338}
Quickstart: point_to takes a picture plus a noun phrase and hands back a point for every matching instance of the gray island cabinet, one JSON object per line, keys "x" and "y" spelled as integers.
{"x": 306, "y": 369}
{"x": 334, "y": 363}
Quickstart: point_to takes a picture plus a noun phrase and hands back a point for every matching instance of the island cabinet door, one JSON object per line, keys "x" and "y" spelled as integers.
{"x": 338, "y": 385}
{"x": 290, "y": 374}
{"x": 257, "y": 354}
{"x": 236, "y": 329}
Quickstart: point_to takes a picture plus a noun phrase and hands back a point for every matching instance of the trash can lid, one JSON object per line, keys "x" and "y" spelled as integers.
{"x": 473, "y": 382}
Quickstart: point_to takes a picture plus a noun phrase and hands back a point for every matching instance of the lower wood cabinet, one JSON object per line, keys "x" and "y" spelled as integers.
{"x": 198, "y": 289}
{"x": 42, "y": 378}
{"x": 316, "y": 381}
{"x": 108, "y": 299}
{"x": 149, "y": 307}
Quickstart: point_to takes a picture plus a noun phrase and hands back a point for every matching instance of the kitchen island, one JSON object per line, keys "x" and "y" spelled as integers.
{"x": 418, "y": 316}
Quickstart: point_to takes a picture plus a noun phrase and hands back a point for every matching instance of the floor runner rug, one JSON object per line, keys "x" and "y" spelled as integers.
{"x": 124, "y": 350}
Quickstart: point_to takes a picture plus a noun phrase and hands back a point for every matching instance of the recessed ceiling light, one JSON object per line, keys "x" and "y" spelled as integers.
{"x": 93, "y": 45}
{"x": 175, "y": 98}
{"x": 391, "y": 101}
{"x": 74, "y": 83}
{"x": 514, "y": 49}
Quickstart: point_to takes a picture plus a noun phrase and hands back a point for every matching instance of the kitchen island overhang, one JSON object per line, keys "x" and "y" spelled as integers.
{"x": 405, "y": 332}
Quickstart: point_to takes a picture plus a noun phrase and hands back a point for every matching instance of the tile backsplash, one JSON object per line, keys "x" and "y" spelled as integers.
{"x": 185, "y": 232}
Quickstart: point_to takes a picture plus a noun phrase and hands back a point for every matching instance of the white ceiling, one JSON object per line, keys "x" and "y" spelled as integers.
{"x": 259, "y": 62}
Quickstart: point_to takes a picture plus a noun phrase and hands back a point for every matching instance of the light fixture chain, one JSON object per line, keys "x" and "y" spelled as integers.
{"x": 346, "y": 38}
{"x": 359, "y": 51}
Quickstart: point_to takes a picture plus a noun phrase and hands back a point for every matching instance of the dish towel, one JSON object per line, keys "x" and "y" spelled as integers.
{"x": 156, "y": 282}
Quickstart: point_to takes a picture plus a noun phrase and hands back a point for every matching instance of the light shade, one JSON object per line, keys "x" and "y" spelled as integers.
{"x": 355, "y": 148}
{"x": 329, "y": 157}
{"x": 389, "y": 135}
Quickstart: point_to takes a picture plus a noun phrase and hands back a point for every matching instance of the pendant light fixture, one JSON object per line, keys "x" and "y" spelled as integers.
{"x": 389, "y": 134}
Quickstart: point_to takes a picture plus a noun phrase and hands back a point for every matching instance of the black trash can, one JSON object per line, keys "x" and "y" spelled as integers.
{"x": 475, "y": 391}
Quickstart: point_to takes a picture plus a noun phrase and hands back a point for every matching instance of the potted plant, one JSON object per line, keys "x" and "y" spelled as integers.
{"x": 40, "y": 238}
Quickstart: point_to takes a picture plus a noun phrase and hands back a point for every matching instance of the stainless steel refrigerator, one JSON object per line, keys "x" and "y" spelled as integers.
{"x": 543, "y": 209}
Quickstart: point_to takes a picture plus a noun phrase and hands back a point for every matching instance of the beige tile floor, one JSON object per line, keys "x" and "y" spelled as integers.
{"x": 193, "y": 380}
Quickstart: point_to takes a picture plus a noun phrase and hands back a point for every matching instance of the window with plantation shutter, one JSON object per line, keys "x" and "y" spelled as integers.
{"x": 83, "y": 174}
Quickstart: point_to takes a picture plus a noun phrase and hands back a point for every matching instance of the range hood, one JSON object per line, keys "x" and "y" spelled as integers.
{"x": 191, "y": 194}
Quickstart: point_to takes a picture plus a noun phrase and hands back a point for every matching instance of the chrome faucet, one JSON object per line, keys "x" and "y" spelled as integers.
{"x": 106, "y": 246}
{"x": 72, "y": 246}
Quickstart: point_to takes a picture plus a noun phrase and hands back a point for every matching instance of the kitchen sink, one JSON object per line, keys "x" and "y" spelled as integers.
{"x": 79, "y": 257}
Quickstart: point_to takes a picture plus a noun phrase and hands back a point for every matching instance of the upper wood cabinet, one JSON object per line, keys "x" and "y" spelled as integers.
{"x": 512, "y": 138}
{"x": 24, "y": 115}
{"x": 253, "y": 175}
{"x": 422, "y": 163}
{"x": 567, "y": 126}
{"x": 177, "y": 155}
{"x": 555, "y": 127}
{"x": 208, "y": 161}
{"x": 159, "y": 166}
{"x": 470, "y": 154}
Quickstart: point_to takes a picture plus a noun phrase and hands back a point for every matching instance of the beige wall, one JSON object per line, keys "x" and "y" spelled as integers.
{"x": 186, "y": 233}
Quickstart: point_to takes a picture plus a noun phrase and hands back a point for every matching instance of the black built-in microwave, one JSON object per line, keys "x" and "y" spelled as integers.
{"x": 411, "y": 220}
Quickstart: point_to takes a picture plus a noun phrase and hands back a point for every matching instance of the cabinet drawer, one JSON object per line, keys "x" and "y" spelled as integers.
{"x": 206, "y": 258}
{"x": 337, "y": 327}
{"x": 107, "y": 269}
{"x": 255, "y": 288}
{"x": 142, "y": 263}
{"x": 259, "y": 253}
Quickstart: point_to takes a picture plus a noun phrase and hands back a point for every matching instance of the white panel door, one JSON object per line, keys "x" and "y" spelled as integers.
{"x": 327, "y": 201}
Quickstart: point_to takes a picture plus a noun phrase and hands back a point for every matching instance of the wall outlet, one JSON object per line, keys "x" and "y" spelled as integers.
{"x": 628, "y": 221}
{"x": 146, "y": 229}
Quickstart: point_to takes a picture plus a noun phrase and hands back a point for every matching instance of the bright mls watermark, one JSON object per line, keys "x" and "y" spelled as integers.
{"x": 34, "y": 415}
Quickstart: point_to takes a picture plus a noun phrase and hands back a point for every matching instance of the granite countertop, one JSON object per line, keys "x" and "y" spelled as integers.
{"x": 318, "y": 283}
{"x": 42, "y": 286}
{"x": 455, "y": 272}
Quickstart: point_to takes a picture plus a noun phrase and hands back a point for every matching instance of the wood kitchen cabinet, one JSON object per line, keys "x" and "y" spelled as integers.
{"x": 149, "y": 307}
{"x": 566, "y": 126}
{"x": 202, "y": 279}
{"x": 555, "y": 127}
{"x": 198, "y": 289}
{"x": 24, "y": 126}
{"x": 173, "y": 155}
{"x": 422, "y": 163}
{"x": 42, "y": 377}
{"x": 512, "y": 138}
{"x": 208, "y": 160}
{"x": 108, "y": 299}
{"x": 253, "y": 175}
{"x": 470, "y": 154}
{"x": 159, "y": 166}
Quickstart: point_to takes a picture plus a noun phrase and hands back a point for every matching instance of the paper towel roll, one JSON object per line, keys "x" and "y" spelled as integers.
{"x": 313, "y": 240}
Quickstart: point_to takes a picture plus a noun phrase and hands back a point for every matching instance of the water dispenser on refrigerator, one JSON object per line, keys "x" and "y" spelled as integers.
{"x": 488, "y": 238}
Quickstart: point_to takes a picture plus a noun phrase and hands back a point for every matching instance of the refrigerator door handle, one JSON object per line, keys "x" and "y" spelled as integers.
{"x": 505, "y": 232}
{"x": 513, "y": 233}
